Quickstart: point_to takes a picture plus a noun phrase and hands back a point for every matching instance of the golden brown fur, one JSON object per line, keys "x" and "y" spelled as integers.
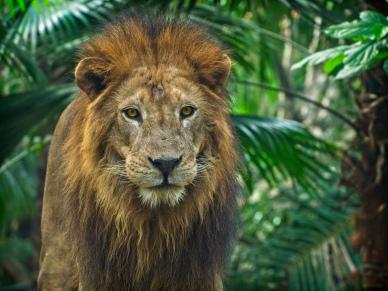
{"x": 93, "y": 213}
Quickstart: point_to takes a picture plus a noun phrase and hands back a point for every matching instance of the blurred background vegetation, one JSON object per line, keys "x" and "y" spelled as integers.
{"x": 313, "y": 138}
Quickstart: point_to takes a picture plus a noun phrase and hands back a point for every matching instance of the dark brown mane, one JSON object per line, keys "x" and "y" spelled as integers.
{"x": 119, "y": 241}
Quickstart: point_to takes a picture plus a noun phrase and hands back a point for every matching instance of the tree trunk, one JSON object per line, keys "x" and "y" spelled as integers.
{"x": 369, "y": 172}
{"x": 369, "y": 176}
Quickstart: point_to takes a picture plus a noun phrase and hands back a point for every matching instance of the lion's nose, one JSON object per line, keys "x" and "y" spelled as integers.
{"x": 165, "y": 165}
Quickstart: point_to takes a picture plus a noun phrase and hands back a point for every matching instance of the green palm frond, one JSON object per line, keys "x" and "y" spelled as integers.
{"x": 18, "y": 188}
{"x": 17, "y": 252}
{"x": 13, "y": 7}
{"x": 18, "y": 195}
{"x": 310, "y": 9}
{"x": 43, "y": 29}
{"x": 15, "y": 57}
{"x": 306, "y": 245}
{"x": 19, "y": 113}
{"x": 238, "y": 34}
{"x": 53, "y": 21}
{"x": 295, "y": 221}
{"x": 280, "y": 150}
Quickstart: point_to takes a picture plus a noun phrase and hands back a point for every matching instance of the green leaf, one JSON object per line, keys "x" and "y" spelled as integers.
{"x": 282, "y": 149}
{"x": 359, "y": 57}
{"x": 378, "y": 22}
{"x": 320, "y": 57}
{"x": 373, "y": 16}
{"x": 22, "y": 4}
{"x": 370, "y": 25}
{"x": 16, "y": 58}
{"x": 21, "y": 112}
{"x": 361, "y": 54}
{"x": 333, "y": 65}
{"x": 351, "y": 30}
{"x": 309, "y": 244}
{"x": 52, "y": 22}
{"x": 18, "y": 186}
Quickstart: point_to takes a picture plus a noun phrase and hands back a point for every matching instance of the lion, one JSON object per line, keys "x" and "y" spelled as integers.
{"x": 140, "y": 192}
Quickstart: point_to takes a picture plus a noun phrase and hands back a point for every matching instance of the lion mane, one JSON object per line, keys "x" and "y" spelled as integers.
{"x": 96, "y": 233}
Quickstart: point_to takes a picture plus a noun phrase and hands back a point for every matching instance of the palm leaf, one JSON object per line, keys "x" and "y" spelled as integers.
{"x": 236, "y": 33}
{"x": 21, "y": 112}
{"x": 47, "y": 28}
{"x": 14, "y": 56}
{"x": 50, "y": 22}
{"x": 308, "y": 249}
{"x": 16, "y": 197}
{"x": 280, "y": 150}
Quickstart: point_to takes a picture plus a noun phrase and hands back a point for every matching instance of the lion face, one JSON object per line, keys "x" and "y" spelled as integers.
{"x": 167, "y": 118}
{"x": 161, "y": 123}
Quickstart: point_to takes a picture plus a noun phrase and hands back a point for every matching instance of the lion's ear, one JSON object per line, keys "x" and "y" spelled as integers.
{"x": 91, "y": 76}
{"x": 216, "y": 74}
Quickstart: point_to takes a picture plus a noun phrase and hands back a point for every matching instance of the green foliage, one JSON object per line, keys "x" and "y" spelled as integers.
{"x": 299, "y": 242}
{"x": 18, "y": 195}
{"x": 371, "y": 25}
{"x": 14, "y": 125}
{"x": 370, "y": 46}
{"x": 295, "y": 221}
{"x": 296, "y": 151}
{"x": 17, "y": 198}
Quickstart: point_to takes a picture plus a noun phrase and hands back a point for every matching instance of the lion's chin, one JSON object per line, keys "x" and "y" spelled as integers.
{"x": 155, "y": 196}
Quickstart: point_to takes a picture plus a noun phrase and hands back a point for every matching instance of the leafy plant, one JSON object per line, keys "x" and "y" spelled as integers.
{"x": 281, "y": 150}
{"x": 14, "y": 126}
{"x": 292, "y": 212}
{"x": 369, "y": 48}
{"x": 369, "y": 180}
{"x": 298, "y": 243}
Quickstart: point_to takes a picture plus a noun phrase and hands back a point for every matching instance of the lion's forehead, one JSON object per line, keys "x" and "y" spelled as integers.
{"x": 157, "y": 88}
{"x": 158, "y": 73}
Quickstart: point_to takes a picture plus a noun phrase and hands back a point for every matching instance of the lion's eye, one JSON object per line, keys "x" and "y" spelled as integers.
{"x": 187, "y": 111}
{"x": 131, "y": 113}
